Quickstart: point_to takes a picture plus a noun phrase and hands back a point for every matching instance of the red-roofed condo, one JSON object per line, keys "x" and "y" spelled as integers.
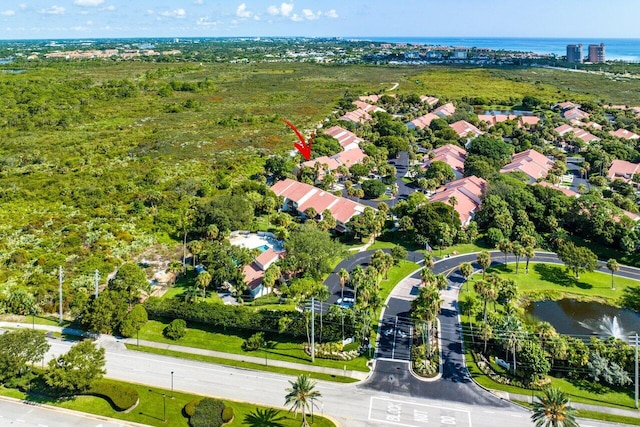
{"x": 452, "y": 155}
{"x": 621, "y": 169}
{"x": 467, "y": 193}
{"x": 465, "y": 129}
{"x": 531, "y": 163}
{"x": 623, "y": 133}
{"x": 298, "y": 197}
{"x": 347, "y": 140}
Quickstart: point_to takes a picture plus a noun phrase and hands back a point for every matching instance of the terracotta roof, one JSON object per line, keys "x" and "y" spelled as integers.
{"x": 445, "y": 110}
{"x": 568, "y": 105}
{"x": 324, "y": 160}
{"x": 356, "y": 116}
{"x": 532, "y": 163}
{"x": 575, "y": 113}
{"x": 563, "y": 129}
{"x": 623, "y": 133}
{"x": 367, "y": 107}
{"x": 344, "y": 137}
{"x": 464, "y": 129}
{"x": 468, "y": 194}
{"x": 306, "y": 196}
{"x": 422, "y": 121}
{"x": 252, "y": 275}
{"x": 429, "y": 100}
{"x": 350, "y": 157}
{"x": 450, "y": 154}
{"x": 266, "y": 258}
{"x": 577, "y": 132}
{"x": 530, "y": 120}
{"x": 622, "y": 169}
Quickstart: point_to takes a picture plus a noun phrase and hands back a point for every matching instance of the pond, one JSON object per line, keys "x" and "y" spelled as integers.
{"x": 585, "y": 319}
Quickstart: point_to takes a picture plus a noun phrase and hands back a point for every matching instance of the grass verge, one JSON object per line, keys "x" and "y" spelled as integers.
{"x": 241, "y": 364}
{"x": 593, "y": 415}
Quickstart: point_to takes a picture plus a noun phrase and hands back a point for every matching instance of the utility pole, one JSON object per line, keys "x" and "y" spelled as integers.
{"x": 60, "y": 276}
{"x": 96, "y": 278}
{"x": 313, "y": 331}
{"x": 636, "y": 388}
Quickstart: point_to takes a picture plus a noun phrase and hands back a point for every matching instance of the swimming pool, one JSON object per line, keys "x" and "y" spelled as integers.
{"x": 263, "y": 248}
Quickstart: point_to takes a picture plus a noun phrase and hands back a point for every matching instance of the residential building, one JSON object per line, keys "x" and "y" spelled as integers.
{"x": 566, "y": 191}
{"x": 298, "y": 197}
{"x": 623, "y": 133}
{"x": 468, "y": 194}
{"x": 367, "y": 107}
{"x": 452, "y": 155}
{"x": 574, "y": 113}
{"x": 356, "y": 116}
{"x": 465, "y": 129}
{"x": 460, "y": 53}
{"x": 348, "y": 140}
{"x": 574, "y": 53}
{"x": 254, "y": 272}
{"x": 445, "y": 110}
{"x": 596, "y": 53}
{"x": 422, "y": 121}
{"x": 531, "y": 163}
{"x": 582, "y": 134}
{"x": 621, "y": 169}
{"x": 430, "y": 100}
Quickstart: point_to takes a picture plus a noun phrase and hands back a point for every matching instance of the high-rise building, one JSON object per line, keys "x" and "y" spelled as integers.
{"x": 574, "y": 52}
{"x": 596, "y": 53}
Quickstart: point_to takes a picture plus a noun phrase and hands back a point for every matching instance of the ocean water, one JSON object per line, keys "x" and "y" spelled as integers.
{"x": 616, "y": 49}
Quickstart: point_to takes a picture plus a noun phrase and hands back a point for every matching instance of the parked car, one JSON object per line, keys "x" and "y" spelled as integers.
{"x": 346, "y": 302}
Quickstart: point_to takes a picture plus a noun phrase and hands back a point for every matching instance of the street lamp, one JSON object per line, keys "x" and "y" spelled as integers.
{"x": 172, "y": 384}
{"x": 440, "y": 248}
{"x": 164, "y": 405}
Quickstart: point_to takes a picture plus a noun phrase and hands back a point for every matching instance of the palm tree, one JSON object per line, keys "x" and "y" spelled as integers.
{"x": 357, "y": 277}
{"x": 453, "y": 202}
{"x": 484, "y": 260}
{"x": 424, "y": 309}
{"x": 553, "y": 410}
{"x": 505, "y": 246}
{"x": 613, "y": 265}
{"x": 428, "y": 261}
{"x": 174, "y": 267}
{"x": 441, "y": 282}
{"x": 518, "y": 252}
{"x": 302, "y": 396}
{"x": 427, "y": 277}
{"x": 466, "y": 269}
{"x": 269, "y": 417}
{"x": 486, "y": 333}
{"x": 487, "y": 292}
{"x": 203, "y": 280}
{"x": 529, "y": 249}
{"x": 344, "y": 277}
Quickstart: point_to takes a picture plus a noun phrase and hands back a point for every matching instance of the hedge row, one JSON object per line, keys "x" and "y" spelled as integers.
{"x": 291, "y": 323}
{"x": 121, "y": 397}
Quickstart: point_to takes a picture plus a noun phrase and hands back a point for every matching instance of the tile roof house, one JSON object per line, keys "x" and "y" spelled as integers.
{"x": 254, "y": 272}
{"x": 465, "y": 129}
{"x": 623, "y": 133}
{"x": 574, "y": 113}
{"x": 343, "y": 158}
{"x": 356, "y": 116}
{"x": 493, "y": 119}
{"x": 468, "y": 193}
{"x": 450, "y": 154}
{"x": 367, "y": 107}
{"x": 445, "y": 110}
{"x": 347, "y": 140}
{"x": 621, "y": 169}
{"x": 422, "y": 121}
{"x": 430, "y": 100}
{"x": 566, "y": 191}
{"x": 577, "y": 132}
{"x": 593, "y": 125}
{"x": 531, "y": 163}
{"x": 299, "y": 196}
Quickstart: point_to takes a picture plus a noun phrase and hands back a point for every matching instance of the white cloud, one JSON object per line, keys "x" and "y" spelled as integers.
{"x": 242, "y": 12}
{"x": 310, "y": 15}
{"x": 91, "y": 3}
{"x": 296, "y": 18}
{"x": 207, "y": 23}
{"x": 89, "y": 22}
{"x": 53, "y": 10}
{"x": 23, "y": 6}
{"x": 150, "y": 12}
{"x": 285, "y": 9}
{"x": 331, "y": 14}
{"x": 176, "y": 13}
{"x": 110, "y": 8}
{"x": 7, "y": 13}
{"x": 198, "y": 1}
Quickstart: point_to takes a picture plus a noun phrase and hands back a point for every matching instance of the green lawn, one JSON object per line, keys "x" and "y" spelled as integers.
{"x": 242, "y": 364}
{"x": 552, "y": 281}
{"x": 230, "y": 341}
{"x": 150, "y": 411}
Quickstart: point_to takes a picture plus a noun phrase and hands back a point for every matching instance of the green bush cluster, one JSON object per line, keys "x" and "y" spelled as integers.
{"x": 240, "y": 317}
{"x": 120, "y": 396}
{"x": 190, "y": 408}
{"x": 208, "y": 413}
{"x": 254, "y": 342}
{"x": 421, "y": 364}
{"x": 175, "y": 330}
{"x": 227, "y": 414}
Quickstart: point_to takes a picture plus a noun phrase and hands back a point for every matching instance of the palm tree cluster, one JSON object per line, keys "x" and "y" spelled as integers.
{"x": 552, "y": 410}
{"x": 425, "y": 308}
{"x": 302, "y": 397}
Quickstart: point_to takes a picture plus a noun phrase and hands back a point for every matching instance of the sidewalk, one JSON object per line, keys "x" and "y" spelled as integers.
{"x": 117, "y": 344}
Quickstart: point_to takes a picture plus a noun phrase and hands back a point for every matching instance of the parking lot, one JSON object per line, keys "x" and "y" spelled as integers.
{"x": 405, "y": 413}
{"x": 394, "y": 341}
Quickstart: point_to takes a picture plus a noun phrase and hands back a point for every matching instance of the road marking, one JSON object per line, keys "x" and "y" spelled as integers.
{"x": 410, "y": 414}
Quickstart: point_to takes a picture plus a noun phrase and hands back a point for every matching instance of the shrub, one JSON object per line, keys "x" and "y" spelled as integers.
{"x": 227, "y": 414}
{"x": 190, "y": 408}
{"x": 121, "y": 397}
{"x": 175, "y": 330}
{"x": 254, "y": 342}
{"x": 208, "y": 413}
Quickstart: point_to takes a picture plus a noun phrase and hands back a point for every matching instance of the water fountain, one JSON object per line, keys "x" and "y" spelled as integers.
{"x": 607, "y": 326}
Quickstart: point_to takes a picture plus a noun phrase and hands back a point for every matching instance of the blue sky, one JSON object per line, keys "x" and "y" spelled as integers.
{"x": 44, "y": 19}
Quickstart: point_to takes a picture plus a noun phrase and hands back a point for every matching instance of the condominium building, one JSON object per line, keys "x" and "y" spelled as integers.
{"x": 574, "y": 53}
{"x": 596, "y": 53}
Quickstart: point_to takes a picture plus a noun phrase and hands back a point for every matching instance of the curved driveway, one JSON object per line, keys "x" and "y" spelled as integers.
{"x": 391, "y": 373}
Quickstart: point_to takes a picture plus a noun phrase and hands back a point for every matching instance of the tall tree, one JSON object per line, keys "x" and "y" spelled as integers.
{"x": 17, "y": 348}
{"x": 425, "y": 308}
{"x": 132, "y": 279}
{"x": 484, "y": 261}
{"x": 577, "y": 258}
{"x": 343, "y": 276}
{"x": 466, "y": 270}
{"x": 529, "y": 249}
{"x": 302, "y": 396}
{"x": 134, "y": 321}
{"x": 552, "y": 410}
{"x": 518, "y": 252}
{"x": 75, "y": 371}
{"x": 202, "y": 280}
{"x": 505, "y": 246}
{"x": 613, "y": 266}
{"x": 487, "y": 292}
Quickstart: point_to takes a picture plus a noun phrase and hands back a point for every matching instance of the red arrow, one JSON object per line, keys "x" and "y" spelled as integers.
{"x": 302, "y": 146}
